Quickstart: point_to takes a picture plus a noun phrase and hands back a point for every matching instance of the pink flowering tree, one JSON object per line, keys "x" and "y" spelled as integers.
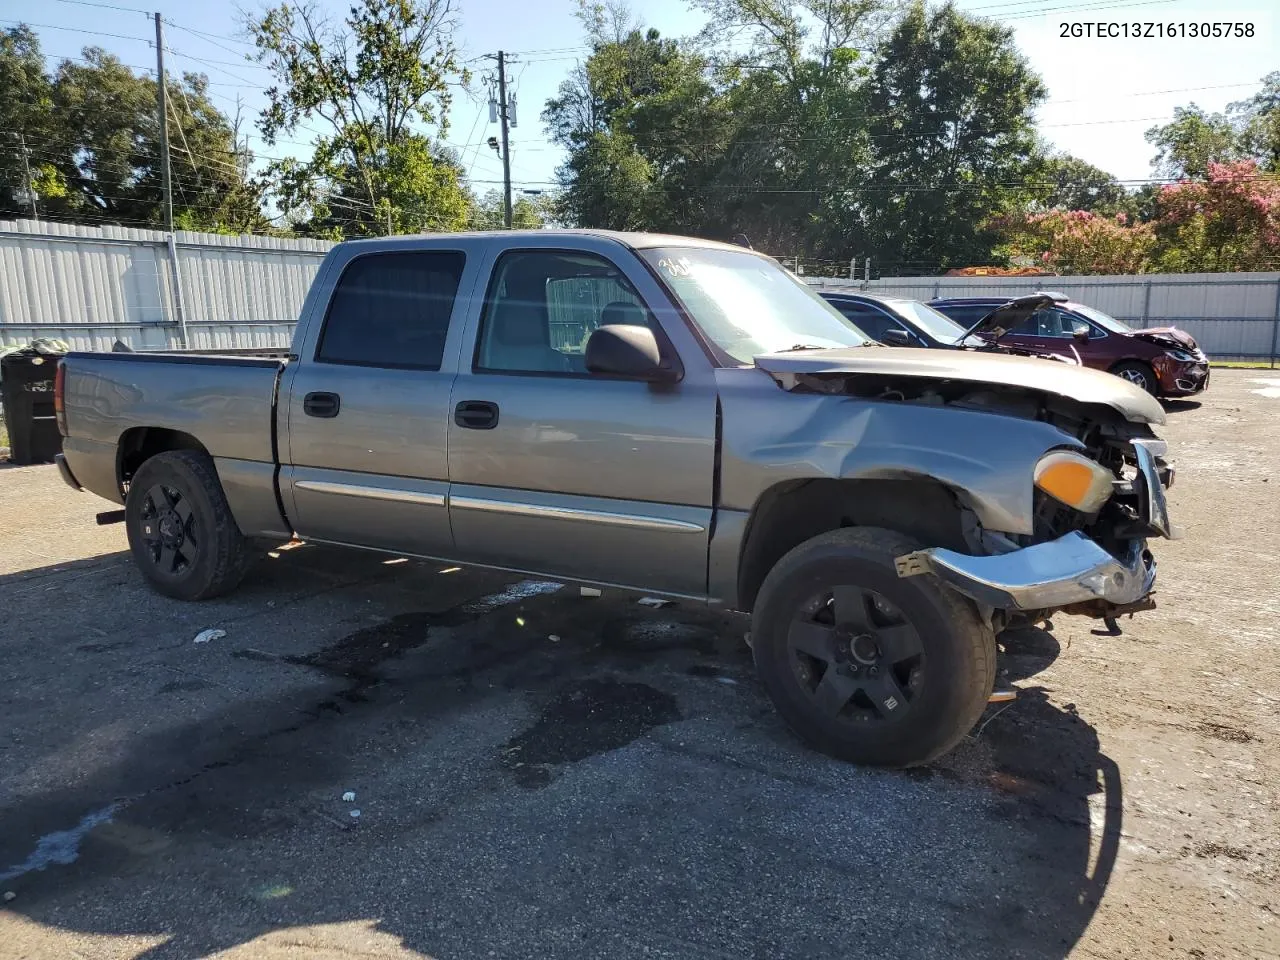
{"x": 1078, "y": 241}
{"x": 1227, "y": 222}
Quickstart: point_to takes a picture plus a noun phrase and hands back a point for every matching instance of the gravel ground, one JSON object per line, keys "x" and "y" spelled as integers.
{"x": 541, "y": 774}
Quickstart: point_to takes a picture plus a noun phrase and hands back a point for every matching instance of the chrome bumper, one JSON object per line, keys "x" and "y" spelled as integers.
{"x": 1071, "y": 569}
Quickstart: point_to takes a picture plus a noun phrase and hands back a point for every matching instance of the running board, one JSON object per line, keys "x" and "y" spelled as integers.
{"x": 111, "y": 516}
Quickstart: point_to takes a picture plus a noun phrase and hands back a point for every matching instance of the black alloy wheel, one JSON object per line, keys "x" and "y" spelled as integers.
{"x": 169, "y": 531}
{"x": 858, "y": 656}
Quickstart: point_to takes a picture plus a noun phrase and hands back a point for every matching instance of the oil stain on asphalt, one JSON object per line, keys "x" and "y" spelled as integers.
{"x": 589, "y": 718}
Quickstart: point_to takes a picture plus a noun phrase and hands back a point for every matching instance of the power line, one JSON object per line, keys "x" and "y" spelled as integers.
{"x": 207, "y": 38}
{"x": 107, "y": 6}
{"x": 96, "y": 33}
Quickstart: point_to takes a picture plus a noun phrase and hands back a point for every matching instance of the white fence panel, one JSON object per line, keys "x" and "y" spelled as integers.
{"x": 91, "y": 286}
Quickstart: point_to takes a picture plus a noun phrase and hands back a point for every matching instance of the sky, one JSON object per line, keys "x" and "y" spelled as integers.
{"x": 1103, "y": 94}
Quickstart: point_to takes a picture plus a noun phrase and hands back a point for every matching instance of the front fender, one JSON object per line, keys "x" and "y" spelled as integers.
{"x": 771, "y": 436}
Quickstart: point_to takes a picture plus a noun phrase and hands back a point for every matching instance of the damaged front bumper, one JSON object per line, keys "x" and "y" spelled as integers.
{"x": 1063, "y": 572}
{"x": 1071, "y": 571}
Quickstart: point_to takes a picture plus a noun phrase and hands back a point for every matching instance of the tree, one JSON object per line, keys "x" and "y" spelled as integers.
{"x": 1258, "y": 119}
{"x": 1064, "y": 182}
{"x": 950, "y": 106}
{"x": 26, "y": 120}
{"x": 1229, "y": 221}
{"x": 1078, "y": 241}
{"x": 695, "y": 138}
{"x": 380, "y": 84}
{"x": 636, "y": 119}
{"x": 527, "y": 212}
{"x": 92, "y": 138}
{"x": 1192, "y": 141}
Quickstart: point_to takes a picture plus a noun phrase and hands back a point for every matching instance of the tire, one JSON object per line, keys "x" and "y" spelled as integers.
{"x": 181, "y": 531}
{"x": 1139, "y": 374}
{"x": 866, "y": 666}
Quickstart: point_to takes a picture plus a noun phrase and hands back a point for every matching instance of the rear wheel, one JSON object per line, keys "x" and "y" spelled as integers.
{"x": 181, "y": 531}
{"x": 862, "y": 664}
{"x": 1139, "y": 374}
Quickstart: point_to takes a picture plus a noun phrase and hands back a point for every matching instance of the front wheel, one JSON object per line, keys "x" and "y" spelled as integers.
{"x": 181, "y": 531}
{"x": 862, "y": 664}
{"x": 1139, "y": 374}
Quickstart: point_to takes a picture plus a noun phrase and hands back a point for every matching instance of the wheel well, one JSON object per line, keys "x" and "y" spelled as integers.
{"x": 790, "y": 513}
{"x": 139, "y": 444}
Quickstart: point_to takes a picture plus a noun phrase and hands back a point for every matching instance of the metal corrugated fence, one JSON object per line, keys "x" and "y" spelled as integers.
{"x": 1234, "y": 316}
{"x": 91, "y": 286}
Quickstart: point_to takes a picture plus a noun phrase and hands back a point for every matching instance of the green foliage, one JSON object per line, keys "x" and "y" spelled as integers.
{"x": 1078, "y": 241}
{"x": 1228, "y": 221}
{"x": 805, "y": 143}
{"x": 527, "y": 212}
{"x": 635, "y": 120}
{"x": 1258, "y": 119}
{"x": 1191, "y": 141}
{"x": 379, "y": 84}
{"x": 92, "y": 139}
{"x": 1064, "y": 182}
{"x": 951, "y": 104}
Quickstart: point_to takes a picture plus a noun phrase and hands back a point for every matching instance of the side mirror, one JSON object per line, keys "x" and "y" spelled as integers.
{"x": 1080, "y": 334}
{"x": 622, "y": 350}
{"x": 896, "y": 338}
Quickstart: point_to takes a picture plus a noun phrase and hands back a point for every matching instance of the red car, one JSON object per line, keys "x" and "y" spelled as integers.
{"x": 1164, "y": 361}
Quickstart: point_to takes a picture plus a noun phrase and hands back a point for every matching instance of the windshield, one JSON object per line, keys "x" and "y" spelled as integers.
{"x": 747, "y": 304}
{"x": 1106, "y": 321}
{"x": 937, "y": 325}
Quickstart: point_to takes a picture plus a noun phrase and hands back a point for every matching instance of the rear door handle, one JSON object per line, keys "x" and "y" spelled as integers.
{"x": 476, "y": 414}
{"x": 324, "y": 405}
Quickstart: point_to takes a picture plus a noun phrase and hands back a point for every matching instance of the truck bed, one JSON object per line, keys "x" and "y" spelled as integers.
{"x": 225, "y": 404}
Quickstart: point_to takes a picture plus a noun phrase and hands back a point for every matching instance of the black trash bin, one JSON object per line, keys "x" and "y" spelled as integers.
{"x": 26, "y": 387}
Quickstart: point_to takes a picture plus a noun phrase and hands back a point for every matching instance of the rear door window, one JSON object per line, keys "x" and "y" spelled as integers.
{"x": 873, "y": 322}
{"x": 392, "y": 310}
{"x": 964, "y": 314}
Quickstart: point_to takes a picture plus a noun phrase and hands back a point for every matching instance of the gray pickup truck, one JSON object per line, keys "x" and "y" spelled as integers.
{"x": 661, "y": 414}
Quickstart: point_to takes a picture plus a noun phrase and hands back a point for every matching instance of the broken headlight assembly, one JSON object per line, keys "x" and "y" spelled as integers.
{"x": 1074, "y": 480}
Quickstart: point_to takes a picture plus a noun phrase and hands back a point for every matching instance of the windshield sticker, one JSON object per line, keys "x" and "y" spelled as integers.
{"x": 675, "y": 268}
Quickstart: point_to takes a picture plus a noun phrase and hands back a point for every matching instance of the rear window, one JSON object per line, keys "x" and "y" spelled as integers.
{"x": 965, "y": 314}
{"x": 392, "y": 310}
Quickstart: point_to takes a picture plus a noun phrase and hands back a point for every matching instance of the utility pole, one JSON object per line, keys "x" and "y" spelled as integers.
{"x": 26, "y": 165}
{"x": 504, "y": 116}
{"x": 162, "y": 96}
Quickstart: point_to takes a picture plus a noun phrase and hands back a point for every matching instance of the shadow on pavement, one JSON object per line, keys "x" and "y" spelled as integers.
{"x": 542, "y": 774}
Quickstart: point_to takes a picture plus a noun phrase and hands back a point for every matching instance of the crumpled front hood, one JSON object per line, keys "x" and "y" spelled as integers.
{"x": 978, "y": 367}
{"x": 1167, "y": 337}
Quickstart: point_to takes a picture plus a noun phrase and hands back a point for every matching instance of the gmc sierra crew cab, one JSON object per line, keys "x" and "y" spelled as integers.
{"x": 668, "y": 415}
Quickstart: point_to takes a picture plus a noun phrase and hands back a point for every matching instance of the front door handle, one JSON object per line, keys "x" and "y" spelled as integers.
{"x": 325, "y": 405}
{"x": 476, "y": 414}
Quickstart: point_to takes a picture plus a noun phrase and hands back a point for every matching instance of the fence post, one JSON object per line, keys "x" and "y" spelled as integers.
{"x": 1275, "y": 327}
{"x": 178, "y": 305}
{"x": 1146, "y": 304}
